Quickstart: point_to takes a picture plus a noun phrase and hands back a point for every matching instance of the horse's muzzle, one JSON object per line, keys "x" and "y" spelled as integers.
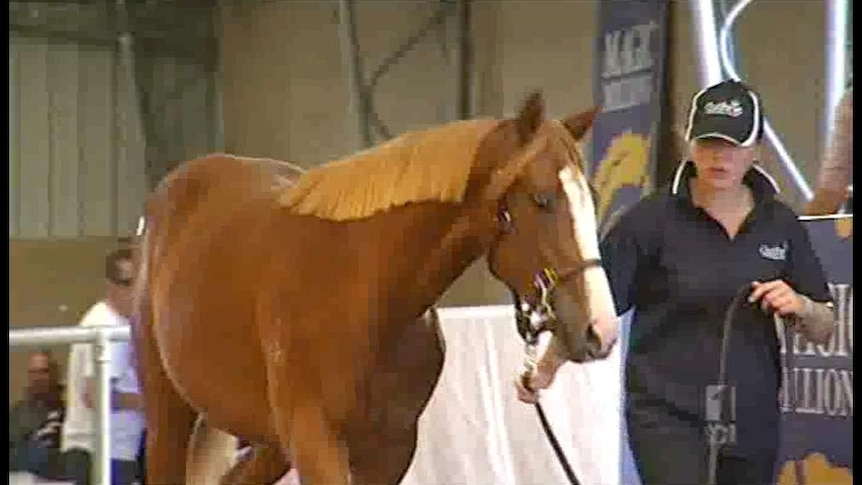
{"x": 598, "y": 341}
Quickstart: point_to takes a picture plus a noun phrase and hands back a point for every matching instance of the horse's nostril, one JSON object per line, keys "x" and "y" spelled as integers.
{"x": 593, "y": 338}
{"x": 594, "y": 345}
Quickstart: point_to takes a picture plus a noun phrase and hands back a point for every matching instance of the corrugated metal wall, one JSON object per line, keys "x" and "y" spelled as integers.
{"x": 78, "y": 144}
{"x": 75, "y": 150}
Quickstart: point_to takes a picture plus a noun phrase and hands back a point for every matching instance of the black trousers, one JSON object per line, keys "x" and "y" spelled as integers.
{"x": 79, "y": 464}
{"x": 671, "y": 452}
{"x": 142, "y": 460}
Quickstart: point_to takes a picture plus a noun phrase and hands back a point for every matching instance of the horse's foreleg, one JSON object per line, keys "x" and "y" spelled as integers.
{"x": 169, "y": 418}
{"x": 300, "y": 418}
{"x": 383, "y": 458}
{"x": 262, "y": 464}
{"x": 169, "y": 425}
{"x": 318, "y": 452}
{"x": 304, "y": 428}
{"x": 383, "y": 443}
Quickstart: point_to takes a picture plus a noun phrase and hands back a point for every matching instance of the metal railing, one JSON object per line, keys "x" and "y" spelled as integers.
{"x": 100, "y": 337}
{"x": 716, "y": 61}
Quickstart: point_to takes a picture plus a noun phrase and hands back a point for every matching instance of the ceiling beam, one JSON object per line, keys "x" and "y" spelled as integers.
{"x": 195, "y": 51}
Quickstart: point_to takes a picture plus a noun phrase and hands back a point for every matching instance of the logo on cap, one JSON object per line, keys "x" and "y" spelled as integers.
{"x": 728, "y": 110}
{"x": 723, "y": 108}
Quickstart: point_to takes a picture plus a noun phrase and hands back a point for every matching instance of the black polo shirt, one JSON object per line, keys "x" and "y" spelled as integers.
{"x": 677, "y": 267}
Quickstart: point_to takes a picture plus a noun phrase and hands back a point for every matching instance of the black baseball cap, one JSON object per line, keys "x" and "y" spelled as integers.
{"x": 729, "y": 110}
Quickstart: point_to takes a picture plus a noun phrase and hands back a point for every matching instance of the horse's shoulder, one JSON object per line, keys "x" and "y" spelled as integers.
{"x": 199, "y": 168}
{"x": 230, "y": 170}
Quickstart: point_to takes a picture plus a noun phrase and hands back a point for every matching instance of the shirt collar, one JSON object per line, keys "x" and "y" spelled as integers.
{"x": 762, "y": 185}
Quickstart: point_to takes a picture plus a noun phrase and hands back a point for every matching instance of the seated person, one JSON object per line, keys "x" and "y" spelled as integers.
{"x": 35, "y": 421}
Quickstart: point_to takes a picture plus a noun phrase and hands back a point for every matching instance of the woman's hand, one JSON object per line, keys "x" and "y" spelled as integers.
{"x": 777, "y": 296}
{"x": 528, "y": 385}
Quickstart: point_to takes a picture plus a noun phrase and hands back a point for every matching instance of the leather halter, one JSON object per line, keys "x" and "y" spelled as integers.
{"x": 534, "y": 318}
{"x": 535, "y": 314}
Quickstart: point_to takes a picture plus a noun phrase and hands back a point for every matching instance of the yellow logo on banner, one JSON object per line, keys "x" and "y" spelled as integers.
{"x": 817, "y": 471}
{"x": 626, "y": 164}
{"x": 844, "y": 227}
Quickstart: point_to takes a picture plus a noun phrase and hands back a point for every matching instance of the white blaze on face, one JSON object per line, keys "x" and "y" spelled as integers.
{"x": 582, "y": 211}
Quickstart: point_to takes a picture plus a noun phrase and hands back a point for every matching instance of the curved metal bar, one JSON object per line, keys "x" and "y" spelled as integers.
{"x": 441, "y": 13}
{"x": 724, "y": 52}
{"x": 35, "y": 337}
{"x": 436, "y": 20}
{"x": 362, "y": 92}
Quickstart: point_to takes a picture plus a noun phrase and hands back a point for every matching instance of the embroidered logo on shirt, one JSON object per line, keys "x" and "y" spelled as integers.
{"x": 775, "y": 253}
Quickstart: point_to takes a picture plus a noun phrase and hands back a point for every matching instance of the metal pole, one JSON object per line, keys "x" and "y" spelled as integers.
{"x": 215, "y": 91}
{"x": 153, "y": 160}
{"x": 836, "y": 59}
{"x": 126, "y": 49}
{"x": 703, "y": 23}
{"x": 464, "y": 58}
{"x": 353, "y": 70}
{"x": 131, "y": 122}
{"x": 102, "y": 452}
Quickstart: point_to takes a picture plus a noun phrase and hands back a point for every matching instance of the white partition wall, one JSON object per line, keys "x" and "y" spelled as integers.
{"x": 475, "y": 431}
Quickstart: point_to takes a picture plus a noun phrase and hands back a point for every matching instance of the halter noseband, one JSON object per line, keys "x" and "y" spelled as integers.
{"x": 536, "y": 315}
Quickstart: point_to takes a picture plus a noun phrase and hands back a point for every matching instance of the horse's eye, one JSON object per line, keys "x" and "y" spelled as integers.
{"x": 543, "y": 201}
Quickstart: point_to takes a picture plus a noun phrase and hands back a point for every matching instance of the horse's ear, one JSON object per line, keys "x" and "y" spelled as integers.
{"x": 579, "y": 124}
{"x": 530, "y": 116}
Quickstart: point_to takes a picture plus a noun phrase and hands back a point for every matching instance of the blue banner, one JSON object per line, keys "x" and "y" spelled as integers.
{"x": 631, "y": 49}
{"x": 817, "y": 400}
{"x": 629, "y": 78}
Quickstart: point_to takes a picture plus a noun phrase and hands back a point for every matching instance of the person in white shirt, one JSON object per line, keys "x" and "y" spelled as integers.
{"x": 127, "y": 420}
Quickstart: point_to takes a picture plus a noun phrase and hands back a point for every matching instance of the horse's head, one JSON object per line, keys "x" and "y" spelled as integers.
{"x": 547, "y": 249}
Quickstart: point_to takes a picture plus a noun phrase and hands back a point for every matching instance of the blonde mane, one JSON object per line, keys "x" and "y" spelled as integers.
{"x": 418, "y": 166}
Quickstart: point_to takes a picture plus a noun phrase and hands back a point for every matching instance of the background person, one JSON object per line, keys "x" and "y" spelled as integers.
{"x": 127, "y": 420}
{"x": 35, "y": 420}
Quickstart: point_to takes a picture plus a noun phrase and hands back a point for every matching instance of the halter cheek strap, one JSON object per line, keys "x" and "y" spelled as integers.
{"x": 539, "y": 316}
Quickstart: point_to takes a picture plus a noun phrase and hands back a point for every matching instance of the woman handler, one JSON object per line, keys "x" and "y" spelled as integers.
{"x": 679, "y": 257}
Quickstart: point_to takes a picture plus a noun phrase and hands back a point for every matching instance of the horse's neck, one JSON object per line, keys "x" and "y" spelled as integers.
{"x": 468, "y": 232}
{"x": 463, "y": 242}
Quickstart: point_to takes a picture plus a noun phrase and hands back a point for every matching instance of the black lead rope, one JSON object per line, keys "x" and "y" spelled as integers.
{"x": 558, "y": 450}
{"x": 729, "y": 316}
{"x": 531, "y": 337}
{"x": 714, "y": 445}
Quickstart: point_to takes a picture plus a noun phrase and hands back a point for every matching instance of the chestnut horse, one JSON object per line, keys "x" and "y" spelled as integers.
{"x": 267, "y": 300}
{"x": 382, "y": 439}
